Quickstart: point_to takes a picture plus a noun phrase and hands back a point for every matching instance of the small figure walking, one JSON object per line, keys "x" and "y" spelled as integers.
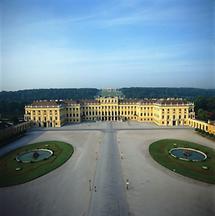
{"x": 121, "y": 155}
{"x": 95, "y": 188}
{"x": 96, "y": 155}
{"x": 127, "y": 184}
{"x": 90, "y": 184}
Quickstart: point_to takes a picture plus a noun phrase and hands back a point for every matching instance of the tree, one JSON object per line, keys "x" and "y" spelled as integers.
{"x": 202, "y": 115}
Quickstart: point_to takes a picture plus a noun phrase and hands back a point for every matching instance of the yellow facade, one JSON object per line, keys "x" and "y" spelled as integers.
{"x": 45, "y": 114}
{"x": 211, "y": 128}
{"x": 166, "y": 112}
{"x": 72, "y": 111}
{"x": 208, "y": 127}
{"x": 173, "y": 112}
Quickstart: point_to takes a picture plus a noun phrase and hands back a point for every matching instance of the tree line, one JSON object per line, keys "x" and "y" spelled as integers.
{"x": 189, "y": 93}
{"x": 47, "y": 94}
{"x": 205, "y": 108}
{"x": 12, "y": 102}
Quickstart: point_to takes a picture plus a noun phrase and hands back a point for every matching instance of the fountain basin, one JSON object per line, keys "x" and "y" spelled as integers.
{"x": 188, "y": 154}
{"x": 34, "y": 155}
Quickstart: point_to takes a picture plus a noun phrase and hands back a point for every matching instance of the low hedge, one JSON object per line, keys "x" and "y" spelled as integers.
{"x": 159, "y": 151}
{"x": 9, "y": 175}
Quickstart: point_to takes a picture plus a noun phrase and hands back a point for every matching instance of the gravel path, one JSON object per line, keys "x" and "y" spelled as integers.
{"x": 62, "y": 192}
{"x": 109, "y": 196}
{"x": 153, "y": 189}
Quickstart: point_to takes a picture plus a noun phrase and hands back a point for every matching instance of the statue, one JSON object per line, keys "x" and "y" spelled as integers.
{"x": 187, "y": 153}
{"x": 36, "y": 155}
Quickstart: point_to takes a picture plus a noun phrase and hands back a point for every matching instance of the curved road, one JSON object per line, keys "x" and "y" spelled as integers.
{"x": 109, "y": 197}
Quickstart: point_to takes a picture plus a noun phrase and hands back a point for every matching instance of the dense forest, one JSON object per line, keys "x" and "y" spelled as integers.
{"x": 47, "y": 94}
{"x": 12, "y": 102}
{"x": 205, "y": 108}
{"x": 190, "y": 93}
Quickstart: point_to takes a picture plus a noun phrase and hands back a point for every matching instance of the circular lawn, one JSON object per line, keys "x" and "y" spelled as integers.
{"x": 13, "y": 172}
{"x": 202, "y": 170}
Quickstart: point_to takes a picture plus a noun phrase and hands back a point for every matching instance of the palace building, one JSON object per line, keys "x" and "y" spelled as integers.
{"x": 163, "y": 112}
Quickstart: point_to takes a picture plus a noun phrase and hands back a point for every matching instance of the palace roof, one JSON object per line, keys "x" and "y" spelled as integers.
{"x": 145, "y": 101}
{"x": 46, "y": 103}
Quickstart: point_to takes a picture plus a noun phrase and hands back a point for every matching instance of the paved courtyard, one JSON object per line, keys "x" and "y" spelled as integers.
{"x": 153, "y": 190}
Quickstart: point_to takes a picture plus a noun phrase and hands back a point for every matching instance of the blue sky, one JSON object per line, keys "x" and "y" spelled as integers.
{"x": 112, "y": 43}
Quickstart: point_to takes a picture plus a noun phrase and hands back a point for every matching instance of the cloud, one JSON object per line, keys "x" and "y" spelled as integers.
{"x": 122, "y": 12}
{"x": 113, "y": 37}
{"x": 42, "y": 54}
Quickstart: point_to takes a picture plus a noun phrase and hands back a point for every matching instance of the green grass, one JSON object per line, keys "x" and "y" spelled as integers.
{"x": 159, "y": 150}
{"x": 29, "y": 171}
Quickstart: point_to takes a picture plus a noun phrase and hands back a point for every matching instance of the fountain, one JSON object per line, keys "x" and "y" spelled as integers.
{"x": 188, "y": 154}
{"x": 34, "y": 155}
